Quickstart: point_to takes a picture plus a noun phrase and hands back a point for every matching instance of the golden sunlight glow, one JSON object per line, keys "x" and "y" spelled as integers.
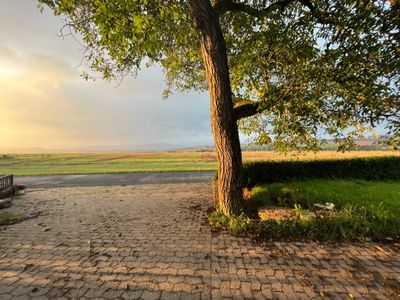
{"x": 9, "y": 71}
{"x": 29, "y": 112}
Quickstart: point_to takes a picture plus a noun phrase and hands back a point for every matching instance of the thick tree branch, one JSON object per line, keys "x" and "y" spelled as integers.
{"x": 316, "y": 13}
{"x": 223, "y": 6}
{"x": 247, "y": 108}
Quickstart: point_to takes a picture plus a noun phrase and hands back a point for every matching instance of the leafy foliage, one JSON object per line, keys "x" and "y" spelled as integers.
{"x": 333, "y": 71}
{"x": 121, "y": 36}
{"x": 312, "y": 67}
{"x": 237, "y": 225}
{"x": 370, "y": 168}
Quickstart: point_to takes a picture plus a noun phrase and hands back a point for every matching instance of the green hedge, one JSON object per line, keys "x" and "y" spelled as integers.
{"x": 371, "y": 168}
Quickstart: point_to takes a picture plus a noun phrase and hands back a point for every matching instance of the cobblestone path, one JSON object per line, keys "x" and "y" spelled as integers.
{"x": 153, "y": 242}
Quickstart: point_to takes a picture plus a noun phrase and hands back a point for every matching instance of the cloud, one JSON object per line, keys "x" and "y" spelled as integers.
{"x": 6, "y": 53}
{"x": 45, "y": 103}
{"x": 46, "y": 65}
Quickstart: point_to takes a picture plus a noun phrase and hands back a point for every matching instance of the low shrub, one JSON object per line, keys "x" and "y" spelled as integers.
{"x": 237, "y": 225}
{"x": 371, "y": 168}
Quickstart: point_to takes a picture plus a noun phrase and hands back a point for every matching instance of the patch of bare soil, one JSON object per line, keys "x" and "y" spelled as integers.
{"x": 276, "y": 213}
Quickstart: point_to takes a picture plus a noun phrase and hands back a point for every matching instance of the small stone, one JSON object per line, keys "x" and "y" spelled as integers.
{"x": 4, "y": 203}
{"x": 307, "y": 215}
{"x": 327, "y": 206}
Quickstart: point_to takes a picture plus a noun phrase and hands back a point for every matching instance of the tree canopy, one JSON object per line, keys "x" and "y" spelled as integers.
{"x": 299, "y": 69}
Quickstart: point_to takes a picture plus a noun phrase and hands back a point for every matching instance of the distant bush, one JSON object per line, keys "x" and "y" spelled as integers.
{"x": 371, "y": 168}
{"x": 6, "y": 156}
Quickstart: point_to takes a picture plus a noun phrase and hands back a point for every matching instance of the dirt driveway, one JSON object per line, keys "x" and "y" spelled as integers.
{"x": 153, "y": 242}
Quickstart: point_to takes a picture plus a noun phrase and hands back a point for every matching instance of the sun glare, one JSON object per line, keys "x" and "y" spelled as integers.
{"x": 9, "y": 71}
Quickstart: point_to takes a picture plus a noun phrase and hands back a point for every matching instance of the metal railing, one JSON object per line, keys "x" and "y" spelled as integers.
{"x": 6, "y": 182}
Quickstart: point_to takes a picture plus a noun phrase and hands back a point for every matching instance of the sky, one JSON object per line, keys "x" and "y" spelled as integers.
{"x": 44, "y": 102}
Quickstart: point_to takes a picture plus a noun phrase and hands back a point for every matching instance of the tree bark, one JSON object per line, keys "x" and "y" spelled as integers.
{"x": 223, "y": 120}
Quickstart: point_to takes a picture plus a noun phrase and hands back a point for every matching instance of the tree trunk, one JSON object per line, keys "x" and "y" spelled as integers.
{"x": 223, "y": 121}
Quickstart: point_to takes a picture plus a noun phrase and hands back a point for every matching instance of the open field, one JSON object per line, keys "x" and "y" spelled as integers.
{"x": 98, "y": 163}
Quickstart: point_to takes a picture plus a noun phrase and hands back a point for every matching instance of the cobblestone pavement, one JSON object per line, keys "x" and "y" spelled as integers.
{"x": 153, "y": 242}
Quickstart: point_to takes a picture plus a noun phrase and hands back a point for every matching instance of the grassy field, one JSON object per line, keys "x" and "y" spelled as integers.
{"x": 95, "y": 163}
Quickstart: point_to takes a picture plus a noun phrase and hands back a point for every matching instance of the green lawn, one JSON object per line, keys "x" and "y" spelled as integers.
{"x": 364, "y": 210}
{"x": 339, "y": 192}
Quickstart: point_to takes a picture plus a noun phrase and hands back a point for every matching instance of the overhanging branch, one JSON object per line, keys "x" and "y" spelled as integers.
{"x": 247, "y": 108}
{"x": 223, "y": 6}
{"x": 315, "y": 12}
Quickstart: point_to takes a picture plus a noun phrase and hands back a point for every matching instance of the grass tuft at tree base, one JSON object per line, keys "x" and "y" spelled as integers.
{"x": 364, "y": 211}
{"x": 10, "y": 218}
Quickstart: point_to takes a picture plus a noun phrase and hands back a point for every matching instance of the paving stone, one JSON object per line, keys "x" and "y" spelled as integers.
{"x": 40, "y": 298}
{"x": 170, "y": 295}
{"x": 18, "y": 291}
{"x": 132, "y": 294}
{"x": 6, "y": 289}
{"x": 6, "y": 296}
{"x": 156, "y": 244}
{"x": 151, "y": 295}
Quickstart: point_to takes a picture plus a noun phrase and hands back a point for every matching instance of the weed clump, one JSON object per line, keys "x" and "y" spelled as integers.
{"x": 9, "y": 218}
